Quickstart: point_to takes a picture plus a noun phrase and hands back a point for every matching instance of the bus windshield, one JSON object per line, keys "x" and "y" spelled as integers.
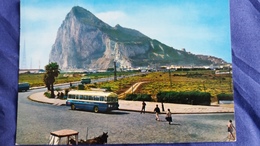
{"x": 112, "y": 99}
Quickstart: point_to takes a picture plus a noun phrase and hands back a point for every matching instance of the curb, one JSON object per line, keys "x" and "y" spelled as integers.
{"x": 38, "y": 100}
{"x": 131, "y": 110}
{"x": 59, "y": 102}
{"x": 173, "y": 113}
{"x": 45, "y": 102}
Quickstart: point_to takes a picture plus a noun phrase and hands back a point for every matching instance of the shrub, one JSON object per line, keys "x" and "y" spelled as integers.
{"x": 47, "y": 94}
{"x": 130, "y": 96}
{"x": 193, "y": 97}
{"x": 139, "y": 97}
{"x": 81, "y": 87}
{"x": 143, "y": 97}
{"x": 57, "y": 89}
{"x": 107, "y": 88}
{"x": 73, "y": 87}
{"x": 224, "y": 96}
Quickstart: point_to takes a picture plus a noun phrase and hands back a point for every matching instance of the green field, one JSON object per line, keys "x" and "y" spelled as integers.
{"x": 203, "y": 81}
{"x": 37, "y": 79}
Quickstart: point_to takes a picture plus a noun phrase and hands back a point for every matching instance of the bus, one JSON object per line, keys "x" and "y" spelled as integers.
{"x": 97, "y": 101}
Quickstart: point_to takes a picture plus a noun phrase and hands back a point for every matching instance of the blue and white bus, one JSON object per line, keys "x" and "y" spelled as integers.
{"x": 97, "y": 101}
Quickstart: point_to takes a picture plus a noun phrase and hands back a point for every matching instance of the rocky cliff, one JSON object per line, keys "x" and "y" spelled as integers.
{"x": 85, "y": 42}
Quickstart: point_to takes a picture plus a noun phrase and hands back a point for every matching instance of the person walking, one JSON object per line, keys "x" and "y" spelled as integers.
{"x": 169, "y": 116}
{"x": 231, "y": 128}
{"x": 157, "y": 112}
{"x": 143, "y": 107}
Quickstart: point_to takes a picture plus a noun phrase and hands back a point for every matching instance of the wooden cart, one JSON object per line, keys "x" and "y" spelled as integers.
{"x": 55, "y": 137}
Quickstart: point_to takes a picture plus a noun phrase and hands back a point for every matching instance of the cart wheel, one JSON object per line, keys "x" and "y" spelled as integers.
{"x": 95, "y": 109}
{"x": 73, "y": 107}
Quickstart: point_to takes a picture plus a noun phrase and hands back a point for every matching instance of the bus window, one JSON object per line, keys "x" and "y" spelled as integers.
{"x": 80, "y": 96}
{"x": 86, "y": 97}
{"x": 72, "y": 96}
{"x": 83, "y": 97}
{"x": 96, "y": 98}
{"x": 101, "y": 98}
{"x": 90, "y": 97}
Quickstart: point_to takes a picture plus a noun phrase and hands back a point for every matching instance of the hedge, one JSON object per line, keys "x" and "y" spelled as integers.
{"x": 139, "y": 97}
{"x": 193, "y": 97}
{"x": 81, "y": 87}
{"x": 224, "y": 96}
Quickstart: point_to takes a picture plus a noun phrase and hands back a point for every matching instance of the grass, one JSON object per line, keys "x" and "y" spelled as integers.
{"x": 203, "y": 81}
{"x": 37, "y": 79}
{"x": 179, "y": 81}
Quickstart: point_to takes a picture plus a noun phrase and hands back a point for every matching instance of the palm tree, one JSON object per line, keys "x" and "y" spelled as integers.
{"x": 45, "y": 80}
{"x": 52, "y": 71}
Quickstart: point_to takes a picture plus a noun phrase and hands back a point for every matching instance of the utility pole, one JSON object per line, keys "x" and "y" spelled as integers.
{"x": 39, "y": 64}
{"x": 116, "y": 53}
{"x": 115, "y": 79}
{"x": 169, "y": 69}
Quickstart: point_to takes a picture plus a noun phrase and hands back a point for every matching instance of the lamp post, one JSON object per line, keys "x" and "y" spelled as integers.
{"x": 162, "y": 104}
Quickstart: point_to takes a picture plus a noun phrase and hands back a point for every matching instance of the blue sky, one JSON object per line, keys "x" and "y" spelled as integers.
{"x": 199, "y": 26}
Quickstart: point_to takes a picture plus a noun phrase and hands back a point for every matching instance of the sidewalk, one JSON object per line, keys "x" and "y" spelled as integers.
{"x": 136, "y": 106}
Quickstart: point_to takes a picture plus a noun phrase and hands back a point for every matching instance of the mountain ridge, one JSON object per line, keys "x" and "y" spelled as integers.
{"x": 83, "y": 41}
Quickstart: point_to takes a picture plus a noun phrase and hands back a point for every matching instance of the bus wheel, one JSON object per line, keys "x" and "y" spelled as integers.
{"x": 95, "y": 109}
{"x": 73, "y": 107}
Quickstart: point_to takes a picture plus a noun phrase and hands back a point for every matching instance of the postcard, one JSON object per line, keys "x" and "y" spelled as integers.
{"x": 125, "y": 72}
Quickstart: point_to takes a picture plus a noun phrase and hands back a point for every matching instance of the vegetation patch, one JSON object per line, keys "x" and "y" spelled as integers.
{"x": 224, "y": 96}
{"x": 178, "y": 81}
{"x": 193, "y": 97}
{"x": 138, "y": 97}
{"x": 193, "y": 80}
{"x": 47, "y": 94}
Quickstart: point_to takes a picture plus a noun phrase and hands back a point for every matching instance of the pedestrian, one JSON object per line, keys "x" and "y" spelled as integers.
{"x": 58, "y": 95}
{"x": 143, "y": 107}
{"x": 61, "y": 95}
{"x": 231, "y": 128}
{"x": 169, "y": 116}
{"x": 157, "y": 112}
{"x": 70, "y": 84}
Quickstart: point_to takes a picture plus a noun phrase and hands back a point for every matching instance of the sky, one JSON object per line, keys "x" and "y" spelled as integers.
{"x": 199, "y": 26}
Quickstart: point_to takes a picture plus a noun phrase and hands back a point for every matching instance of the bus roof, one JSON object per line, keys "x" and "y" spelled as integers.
{"x": 99, "y": 93}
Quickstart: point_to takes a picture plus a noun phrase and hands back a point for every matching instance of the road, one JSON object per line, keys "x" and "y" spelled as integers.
{"x": 35, "y": 121}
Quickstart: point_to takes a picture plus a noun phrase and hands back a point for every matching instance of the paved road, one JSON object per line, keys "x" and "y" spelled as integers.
{"x": 37, "y": 120}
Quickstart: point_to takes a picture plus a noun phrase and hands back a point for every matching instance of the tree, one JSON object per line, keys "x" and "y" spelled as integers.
{"x": 46, "y": 82}
{"x": 52, "y": 71}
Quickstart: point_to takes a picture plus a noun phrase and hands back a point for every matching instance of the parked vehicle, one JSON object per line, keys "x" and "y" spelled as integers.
{"x": 23, "y": 87}
{"x": 85, "y": 81}
{"x": 97, "y": 101}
